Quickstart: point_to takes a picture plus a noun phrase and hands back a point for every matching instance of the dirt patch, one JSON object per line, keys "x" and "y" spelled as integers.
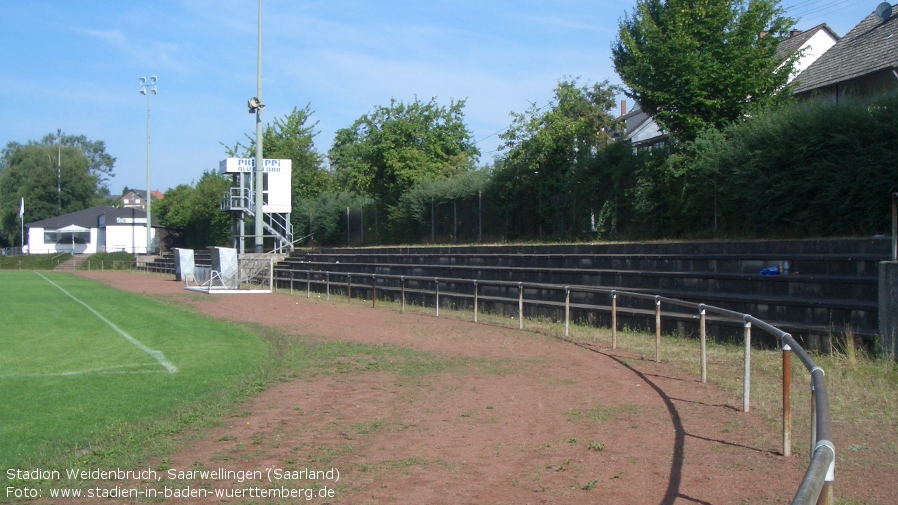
{"x": 551, "y": 422}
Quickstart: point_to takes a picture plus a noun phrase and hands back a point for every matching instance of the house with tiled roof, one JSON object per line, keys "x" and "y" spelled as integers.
{"x": 137, "y": 199}
{"x": 811, "y": 44}
{"x": 862, "y": 64}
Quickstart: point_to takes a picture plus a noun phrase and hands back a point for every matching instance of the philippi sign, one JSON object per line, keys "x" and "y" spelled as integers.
{"x": 277, "y": 175}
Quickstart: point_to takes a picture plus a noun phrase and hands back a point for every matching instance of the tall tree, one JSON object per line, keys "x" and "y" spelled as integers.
{"x": 387, "y": 151}
{"x": 100, "y": 163}
{"x": 544, "y": 179}
{"x": 31, "y": 172}
{"x": 293, "y": 137}
{"x": 695, "y": 64}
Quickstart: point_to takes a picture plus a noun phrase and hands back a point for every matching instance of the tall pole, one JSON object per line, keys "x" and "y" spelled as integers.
{"x": 260, "y": 181}
{"x": 59, "y": 168}
{"x": 147, "y": 88}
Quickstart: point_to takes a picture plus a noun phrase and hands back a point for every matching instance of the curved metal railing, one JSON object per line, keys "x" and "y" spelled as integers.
{"x": 815, "y": 487}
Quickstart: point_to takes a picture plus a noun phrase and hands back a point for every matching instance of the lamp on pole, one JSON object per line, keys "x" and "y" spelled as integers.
{"x": 147, "y": 88}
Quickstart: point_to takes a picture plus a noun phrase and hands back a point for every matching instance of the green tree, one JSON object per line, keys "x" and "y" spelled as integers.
{"x": 292, "y": 138}
{"x": 545, "y": 180}
{"x": 30, "y": 172}
{"x": 695, "y": 64}
{"x": 100, "y": 163}
{"x": 195, "y": 212}
{"x": 387, "y": 151}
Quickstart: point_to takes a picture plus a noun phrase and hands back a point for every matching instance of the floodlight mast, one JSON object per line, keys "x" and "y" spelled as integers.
{"x": 260, "y": 181}
{"x": 148, "y": 88}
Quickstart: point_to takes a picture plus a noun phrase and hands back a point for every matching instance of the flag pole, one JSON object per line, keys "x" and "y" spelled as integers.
{"x": 22, "y": 226}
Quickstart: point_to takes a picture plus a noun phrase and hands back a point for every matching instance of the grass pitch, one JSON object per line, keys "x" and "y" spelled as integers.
{"x": 83, "y": 364}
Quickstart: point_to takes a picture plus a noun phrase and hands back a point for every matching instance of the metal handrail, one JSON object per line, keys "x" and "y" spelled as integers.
{"x": 815, "y": 487}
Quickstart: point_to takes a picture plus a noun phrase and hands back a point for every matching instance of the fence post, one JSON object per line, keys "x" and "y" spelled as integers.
{"x": 327, "y": 281}
{"x": 88, "y": 265}
{"x": 402, "y": 289}
{"x": 292, "y": 276}
{"x": 613, "y": 320}
{"x": 475, "y": 300}
{"x": 436, "y": 281}
{"x": 373, "y": 290}
{"x": 657, "y": 329}
{"x": 702, "y": 335}
{"x": 271, "y": 284}
{"x": 308, "y": 283}
{"x": 787, "y": 399}
{"x": 746, "y": 376}
{"x": 520, "y": 305}
{"x": 567, "y": 310}
{"x": 349, "y": 288}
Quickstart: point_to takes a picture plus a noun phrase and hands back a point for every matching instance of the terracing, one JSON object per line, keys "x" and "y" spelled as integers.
{"x": 831, "y": 286}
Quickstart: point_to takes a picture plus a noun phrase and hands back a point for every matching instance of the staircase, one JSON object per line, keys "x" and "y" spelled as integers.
{"x": 276, "y": 224}
{"x": 73, "y": 263}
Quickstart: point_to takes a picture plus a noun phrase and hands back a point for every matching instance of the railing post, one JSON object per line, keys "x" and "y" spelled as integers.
{"x": 308, "y": 283}
{"x": 476, "y": 290}
{"x": 402, "y": 289}
{"x": 813, "y": 417}
{"x": 613, "y": 320}
{"x": 567, "y": 310}
{"x": 292, "y": 276}
{"x": 373, "y": 290}
{"x": 327, "y": 282}
{"x": 702, "y": 337}
{"x": 746, "y": 376}
{"x": 787, "y": 399}
{"x": 520, "y": 305}
{"x": 657, "y": 329}
{"x": 436, "y": 281}
{"x": 349, "y": 288}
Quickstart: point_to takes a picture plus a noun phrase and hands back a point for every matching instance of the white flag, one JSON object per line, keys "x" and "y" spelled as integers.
{"x": 22, "y": 209}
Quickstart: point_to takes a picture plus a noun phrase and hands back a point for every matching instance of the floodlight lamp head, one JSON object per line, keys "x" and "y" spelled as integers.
{"x": 143, "y": 91}
{"x": 143, "y": 80}
{"x": 153, "y": 79}
{"x": 254, "y": 104}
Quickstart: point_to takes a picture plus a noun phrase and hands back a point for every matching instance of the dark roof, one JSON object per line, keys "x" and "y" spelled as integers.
{"x": 869, "y": 47}
{"x": 87, "y": 218}
{"x": 794, "y": 43}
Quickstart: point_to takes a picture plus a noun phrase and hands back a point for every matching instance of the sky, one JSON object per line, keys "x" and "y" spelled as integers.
{"x": 74, "y": 65}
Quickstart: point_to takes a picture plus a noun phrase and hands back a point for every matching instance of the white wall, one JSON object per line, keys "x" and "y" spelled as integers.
{"x": 36, "y": 244}
{"x": 117, "y": 238}
{"x": 814, "y": 48}
{"x": 127, "y": 238}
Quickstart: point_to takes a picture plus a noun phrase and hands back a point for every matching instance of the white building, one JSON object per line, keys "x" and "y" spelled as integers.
{"x": 89, "y": 231}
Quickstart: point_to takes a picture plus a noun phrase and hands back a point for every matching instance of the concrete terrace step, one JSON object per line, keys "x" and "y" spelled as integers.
{"x": 837, "y": 286}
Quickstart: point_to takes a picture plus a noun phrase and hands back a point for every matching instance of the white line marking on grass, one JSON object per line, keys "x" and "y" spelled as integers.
{"x": 117, "y": 369}
{"x": 157, "y": 355}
